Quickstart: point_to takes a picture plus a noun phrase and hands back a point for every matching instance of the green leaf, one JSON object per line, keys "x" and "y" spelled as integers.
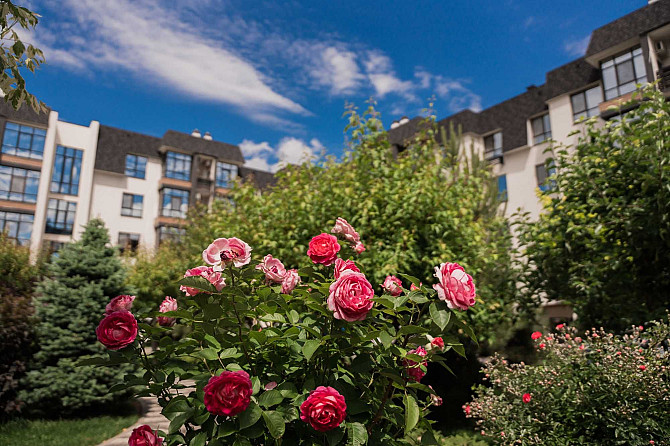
{"x": 411, "y": 279}
{"x": 270, "y": 398}
{"x": 411, "y": 412}
{"x": 212, "y": 311}
{"x": 412, "y": 329}
{"x": 385, "y": 338}
{"x": 334, "y": 436}
{"x": 250, "y": 416}
{"x": 309, "y": 348}
{"x": 356, "y": 434}
{"x": 199, "y": 439}
{"x": 207, "y": 353}
{"x": 197, "y": 282}
{"x": 275, "y": 423}
{"x": 179, "y": 420}
{"x": 439, "y": 316}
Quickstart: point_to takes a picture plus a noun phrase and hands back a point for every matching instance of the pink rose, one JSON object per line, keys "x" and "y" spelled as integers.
{"x": 271, "y": 385}
{"x": 273, "y": 268}
{"x": 536, "y": 335}
{"x": 213, "y": 277}
{"x": 413, "y": 287}
{"x": 323, "y": 249}
{"x": 559, "y": 326}
{"x": 169, "y": 304}
{"x": 229, "y": 393}
{"x": 291, "y": 280}
{"x": 120, "y": 303}
{"x": 359, "y": 248}
{"x": 526, "y": 398}
{"x": 343, "y": 265}
{"x": 223, "y": 251}
{"x": 343, "y": 228}
{"x": 414, "y": 368}
{"x": 144, "y": 436}
{"x": 467, "y": 410}
{"x": 392, "y": 285}
{"x": 436, "y": 400}
{"x": 455, "y": 286}
{"x": 437, "y": 342}
{"x": 350, "y": 296}
{"x": 324, "y": 409}
{"x": 117, "y": 330}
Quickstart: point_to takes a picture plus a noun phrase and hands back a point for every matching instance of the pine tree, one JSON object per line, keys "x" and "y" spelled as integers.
{"x": 70, "y": 303}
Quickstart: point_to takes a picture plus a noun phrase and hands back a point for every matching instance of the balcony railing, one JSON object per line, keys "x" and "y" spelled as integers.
{"x": 663, "y": 76}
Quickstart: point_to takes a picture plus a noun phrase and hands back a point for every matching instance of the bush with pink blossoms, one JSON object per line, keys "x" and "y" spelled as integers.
{"x": 282, "y": 356}
{"x": 596, "y": 388}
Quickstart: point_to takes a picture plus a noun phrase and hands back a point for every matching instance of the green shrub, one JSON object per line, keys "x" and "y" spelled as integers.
{"x": 595, "y": 389}
{"x": 70, "y": 301}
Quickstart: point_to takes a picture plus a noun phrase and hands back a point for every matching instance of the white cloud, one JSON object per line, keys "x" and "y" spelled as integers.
{"x": 289, "y": 150}
{"x": 576, "y": 47}
{"x": 337, "y": 69}
{"x": 383, "y": 78}
{"x": 152, "y": 42}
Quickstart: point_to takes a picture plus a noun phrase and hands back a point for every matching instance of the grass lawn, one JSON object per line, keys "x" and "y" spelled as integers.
{"x": 81, "y": 432}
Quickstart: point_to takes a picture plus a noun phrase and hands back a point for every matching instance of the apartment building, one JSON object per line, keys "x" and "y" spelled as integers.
{"x": 55, "y": 176}
{"x": 515, "y": 134}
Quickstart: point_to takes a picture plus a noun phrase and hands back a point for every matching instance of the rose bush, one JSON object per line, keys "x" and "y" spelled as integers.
{"x": 592, "y": 389}
{"x": 284, "y": 356}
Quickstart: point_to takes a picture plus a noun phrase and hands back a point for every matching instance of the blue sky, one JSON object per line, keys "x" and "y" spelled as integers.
{"x": 274, "y": 77}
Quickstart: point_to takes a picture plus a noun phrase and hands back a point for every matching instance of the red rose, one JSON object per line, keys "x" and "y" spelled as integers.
{"x": 536, "y": 335}
{"x": 324, "y": 409}
{"x": 467, "y": 410}
{"x": 438, "y": 342}
{"x": 413, "y": 368}
{"x": 526, "y": 398}
{"x": 120, "y": 303}
{"x": 323, "y": 249}
{"x": 169, "y": 304}
{"x": 116, "y": 330}
{"x": 350, "y": 297}
{"x": 643, "y": 368}
{"x": 229, "y": 393}
{"x": 559, "y": 326}
{"x": 144, "y": 436}
{"x": 392, "y": 285}
{"x": 343, "y": 265}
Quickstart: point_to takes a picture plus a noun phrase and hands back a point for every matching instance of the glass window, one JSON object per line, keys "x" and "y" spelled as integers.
{"x": 170, "y": 233}
{"x": 493, "y": 146}
{"x": 17, "y": 226}
{"x": 128, "y": 241}
{"x": 136, "y": 166}
{"x": 18, "y": 184}
{"x": 60, "y": 216}
{"x": 225, "y": 174}
{"x": 541, "y": 129}
{"x": 23, "y": 140}
{"x": 502, "y": 188}
{"x": 175, "y": 203}
{"x": 178, "y": 166}
{"x": 622, "y": 73}
{"x": 585, "y": 103}
{"x": 67, "y": 167}
{"x": 543, "y": 172}
{"x": 131, "y": 205}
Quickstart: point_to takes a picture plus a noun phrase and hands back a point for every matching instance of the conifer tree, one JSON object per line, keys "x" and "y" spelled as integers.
{"x": 69, "y": 305}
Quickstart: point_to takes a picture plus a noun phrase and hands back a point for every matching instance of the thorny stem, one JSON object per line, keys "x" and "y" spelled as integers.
{"x": 239, "y": 327}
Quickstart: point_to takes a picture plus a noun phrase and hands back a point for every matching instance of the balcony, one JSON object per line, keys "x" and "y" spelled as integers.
{"x": 663, "y": 76}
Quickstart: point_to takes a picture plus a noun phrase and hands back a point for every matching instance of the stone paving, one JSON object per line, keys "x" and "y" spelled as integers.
{"x": 151, "y": 415}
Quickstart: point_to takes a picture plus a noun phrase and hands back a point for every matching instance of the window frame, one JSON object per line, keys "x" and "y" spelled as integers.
{"x": 10, "y": 172}
{"x": 545, "y": 122}
{"x": 171, "y": 233}
{"x": 587, "y": 112}
{"x": 549, "y": 170}
{"x": 55, "y": 224}
{"x": 174, "y": 160}
{"x": 15, "y": 149}
{"x": 503, "y": 194}
{"x": 611, "y": 62}
{"x": 70, "y": 161}
{"x": 232, "y": 171}
{"x": 495, "y": 152}
{"x": 127, "y": 242}
{"x": 134, "y": 170}
{"x": 185, "y": 196}
{"x": 133, "y": 210}
{"x": 22, "y": 218}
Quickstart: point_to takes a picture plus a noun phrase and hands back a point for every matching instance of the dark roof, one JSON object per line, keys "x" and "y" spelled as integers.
{"x": 570, "y": 77}
{"x": 114, "y": 144}
{"x": 400, "y": 134}
{"x": 24, "y": 114}
{"x": 629, "y": 26}
{"x": 195, "y": 144}
{"x": 261, "y": 179}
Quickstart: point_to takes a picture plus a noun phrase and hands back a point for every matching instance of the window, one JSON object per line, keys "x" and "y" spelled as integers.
{"x": 541, "y": 129}
{"x": 170, "y": 233}
{"x": 175, "y": 203}
{"x": 502, "y": 188}
{"x": 543, "y": 172}
{"x": 136, "y": 166}
{"x": 178, "y": 166}
{"x": 131, "y": 205}
{"x": 18, "y": 184}
{"x": 53, "y": 247}
{"x": 60, "y": 216}
{"x": 225, "y": 174}
{"x": 128, "y": 241}
{"x": 585, "y": 103}
{"x": 622, "y": 73}
{"x": 17, "y": 226}
{"x": 493, "y": 146}
{"x": 23, "y": 140}
{"x": 67, "y": 167}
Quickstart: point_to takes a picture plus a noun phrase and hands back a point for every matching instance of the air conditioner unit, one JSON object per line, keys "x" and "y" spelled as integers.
{"x": 660, "y": 48}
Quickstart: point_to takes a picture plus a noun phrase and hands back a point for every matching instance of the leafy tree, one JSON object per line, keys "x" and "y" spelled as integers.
{"x": 16, "y": 55}
{"x": 428, "y": 205}
{"x": 602, "y": 243}
{"x": 81, "y": 281}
